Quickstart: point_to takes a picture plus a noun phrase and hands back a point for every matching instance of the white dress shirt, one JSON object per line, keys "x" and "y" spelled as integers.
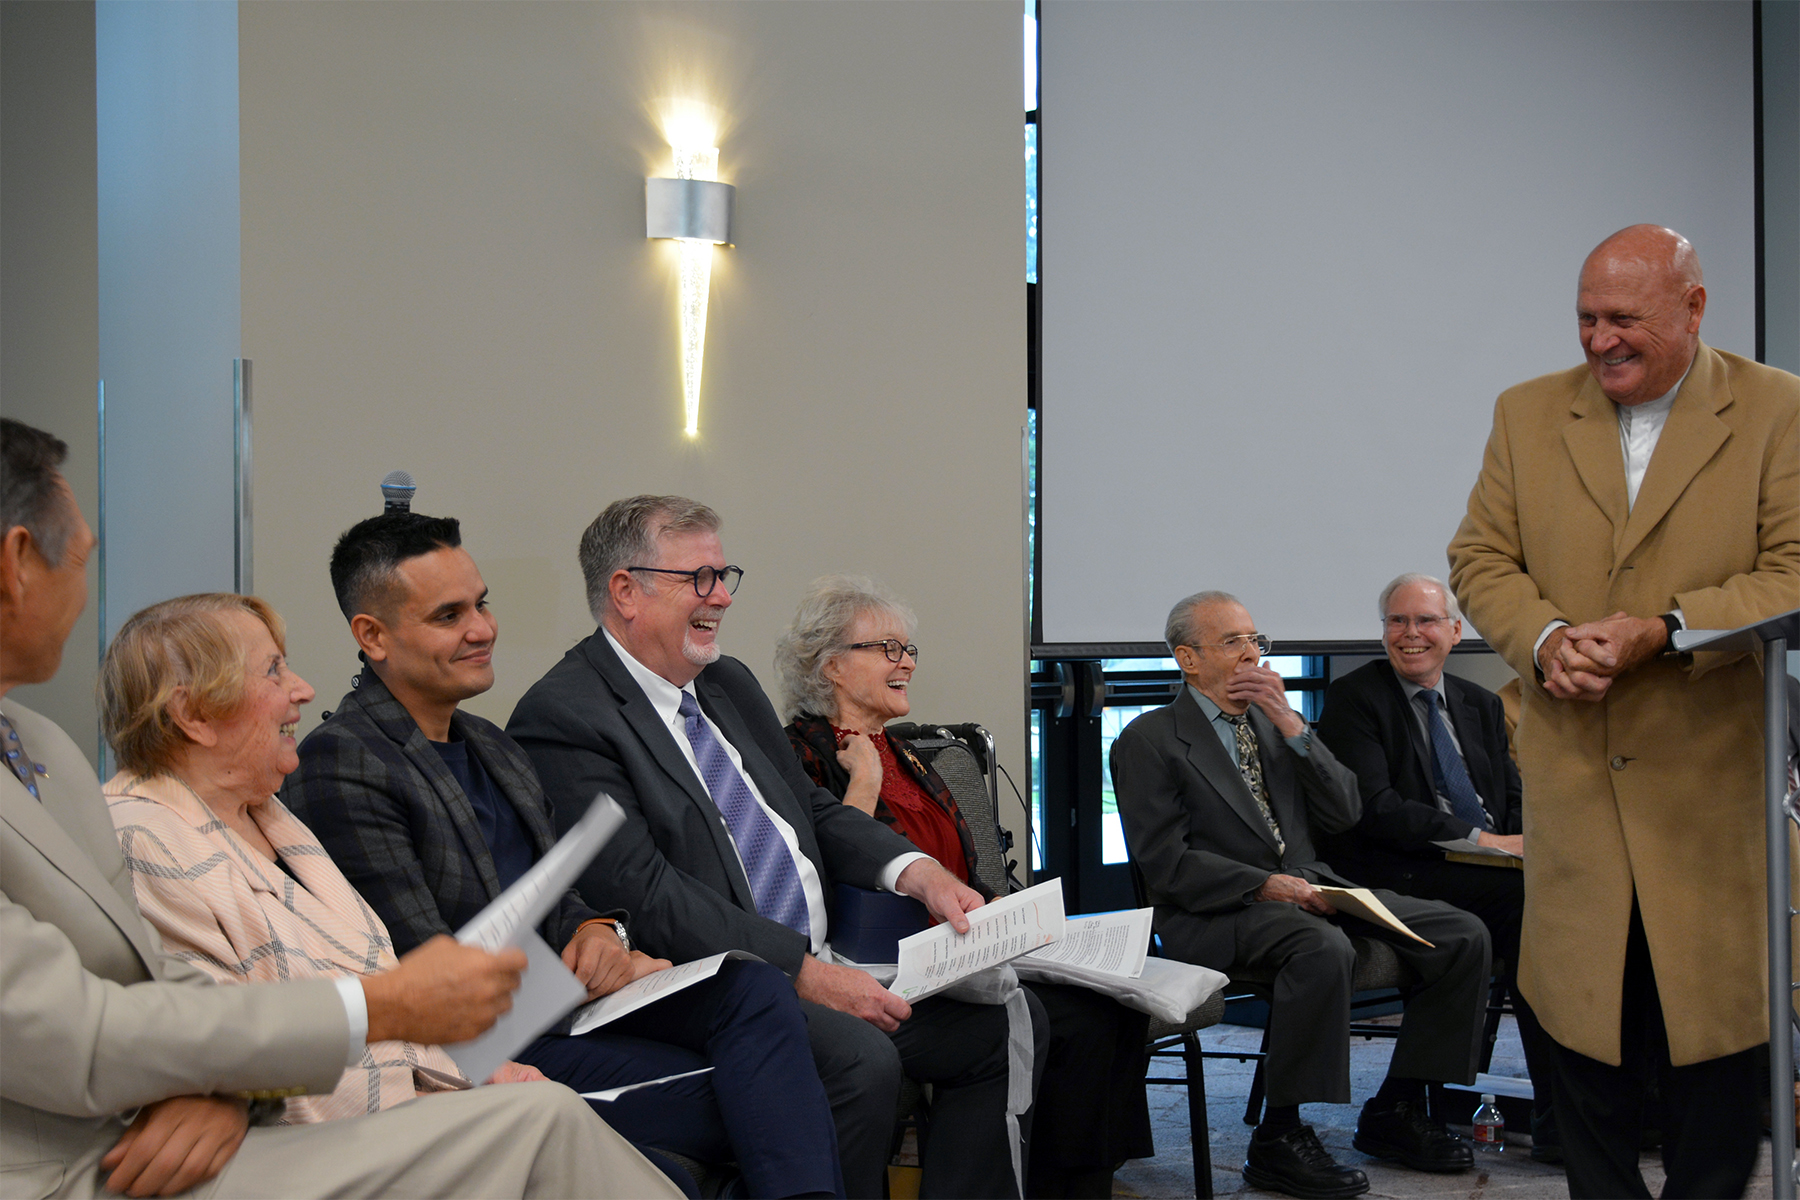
{"x": 665, "y": 698}
{"x": 1640, "y": 428}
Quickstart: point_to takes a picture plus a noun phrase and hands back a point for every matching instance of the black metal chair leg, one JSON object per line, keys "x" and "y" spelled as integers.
{"x": 1199, "y": 1131}
{"x": 1254, "y": 1106}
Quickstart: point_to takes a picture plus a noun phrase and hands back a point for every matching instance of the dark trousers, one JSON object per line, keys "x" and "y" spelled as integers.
{"x": 1497, "y": 896}
{"x": 961, "y": 1050}
{"x": 1307, "y": 962}
{"x": 762, "y": 1104}
{"x": 1711, "y": 1129}
{"x": 1091, "y": 1112}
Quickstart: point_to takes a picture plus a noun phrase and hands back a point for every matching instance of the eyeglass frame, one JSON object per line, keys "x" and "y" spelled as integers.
{"x": 904, "y": 647}
{"x": 1236, "y": 642}
{"x": 719, "y": 573}
{"x": 1424, "y": 624}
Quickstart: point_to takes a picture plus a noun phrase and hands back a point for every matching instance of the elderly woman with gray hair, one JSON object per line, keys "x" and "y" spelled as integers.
{"x": 846, "y": 662}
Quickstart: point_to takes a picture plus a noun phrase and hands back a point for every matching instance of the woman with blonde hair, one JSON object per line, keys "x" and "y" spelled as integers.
{"x": 201, "y": 707}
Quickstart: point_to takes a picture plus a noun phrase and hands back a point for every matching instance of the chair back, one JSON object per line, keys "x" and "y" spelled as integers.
{"x": 963, "y": 757}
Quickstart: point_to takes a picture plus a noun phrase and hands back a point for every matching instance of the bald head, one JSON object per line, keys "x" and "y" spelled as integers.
{"x": 1639, "y": 304}
{"x": 1654, "y": 249}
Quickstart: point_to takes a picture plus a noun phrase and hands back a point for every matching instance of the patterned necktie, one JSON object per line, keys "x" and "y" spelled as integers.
{"x": 1448, "y": 774}
{"x": 774, "y": 880}
{"x": 1250, "y": 767}
{"x": 22, "y": 764}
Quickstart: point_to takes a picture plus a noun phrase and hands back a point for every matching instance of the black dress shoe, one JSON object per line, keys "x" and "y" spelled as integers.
{"x": 1295, "y": 1163}
{"x": 1406, "y": 1133}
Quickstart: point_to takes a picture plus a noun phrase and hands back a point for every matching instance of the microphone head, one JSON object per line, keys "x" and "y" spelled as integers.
{"x": 397, "y": 488}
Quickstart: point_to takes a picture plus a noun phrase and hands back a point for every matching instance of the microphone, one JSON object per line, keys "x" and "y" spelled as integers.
{"x": 397, "y": 490}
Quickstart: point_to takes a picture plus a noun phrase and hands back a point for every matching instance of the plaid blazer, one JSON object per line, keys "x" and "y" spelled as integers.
{"x": 225, "y": 908}
{"x": 401, "y": 828}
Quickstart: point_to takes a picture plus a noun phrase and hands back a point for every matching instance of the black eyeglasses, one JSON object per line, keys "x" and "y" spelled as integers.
{"x": 705, "y": 578}
{"x": 889, "y": 647}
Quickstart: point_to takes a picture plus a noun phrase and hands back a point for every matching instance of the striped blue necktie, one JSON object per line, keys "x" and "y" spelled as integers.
{"x": 774, "y": 880}
{"x": 1448, "y": 774}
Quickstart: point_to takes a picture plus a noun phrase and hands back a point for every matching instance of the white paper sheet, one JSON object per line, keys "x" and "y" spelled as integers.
{"x": 934, "y": 959}
{"x": 548, "y": 991}
{"x": 1115, "y": 943}
{"x": 1467, "y": 846}
{"x": 521, "y": 906}
{"x": 608, "y": 1095}
{"x": 649, "y": 990}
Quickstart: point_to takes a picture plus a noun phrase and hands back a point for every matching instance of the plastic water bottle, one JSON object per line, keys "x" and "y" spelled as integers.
{"x": 1490, "y": 1127}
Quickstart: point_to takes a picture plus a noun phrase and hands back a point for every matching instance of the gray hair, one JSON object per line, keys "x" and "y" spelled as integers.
{"x": 1183, "y": 627}
{"x": 1410, "y": 578}
{"x": 627, "y": 534}
{"x": 29, "y": 494}
{"x": 820, "y": 632}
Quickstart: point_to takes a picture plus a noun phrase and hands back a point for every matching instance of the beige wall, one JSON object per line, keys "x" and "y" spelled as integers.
{"x": 444, "y": 270}
{"x": 49, "y": 318}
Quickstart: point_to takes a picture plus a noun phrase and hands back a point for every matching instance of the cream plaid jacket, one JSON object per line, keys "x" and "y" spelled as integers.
{"x": 223, "y": 907}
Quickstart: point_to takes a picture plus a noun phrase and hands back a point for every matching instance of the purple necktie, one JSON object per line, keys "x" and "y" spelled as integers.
{"x": 774, "y": 881}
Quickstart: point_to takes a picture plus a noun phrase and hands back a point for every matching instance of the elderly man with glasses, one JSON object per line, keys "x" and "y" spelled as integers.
{"x": 1429, "y": 752}
{"x": 1222, "y": 793}
{"x": 729, "y": 846}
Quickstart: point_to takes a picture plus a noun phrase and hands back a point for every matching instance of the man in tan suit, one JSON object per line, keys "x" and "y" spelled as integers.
{"x": 1656, "y": 488}
{"x": 125, "y": 1068}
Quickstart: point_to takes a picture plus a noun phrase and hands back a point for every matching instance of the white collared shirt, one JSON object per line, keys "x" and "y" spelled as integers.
{"x": 1640, "y": 428}
{"x": 665, "y": 698}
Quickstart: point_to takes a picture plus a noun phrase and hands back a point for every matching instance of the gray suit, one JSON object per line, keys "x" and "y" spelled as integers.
{"x": 1204, "y": 850}
{"x": 95, "y": 1021}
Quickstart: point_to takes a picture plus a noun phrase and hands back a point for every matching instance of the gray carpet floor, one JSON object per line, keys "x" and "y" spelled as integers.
{"x": 1171, "y": 1172}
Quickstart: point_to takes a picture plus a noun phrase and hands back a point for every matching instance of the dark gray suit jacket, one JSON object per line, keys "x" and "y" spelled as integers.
{"x": 400, "y": 827}
{"x": 588, "y": 728}
{"x": 1368, "y": 722}
{"x": 1193, "y": 828}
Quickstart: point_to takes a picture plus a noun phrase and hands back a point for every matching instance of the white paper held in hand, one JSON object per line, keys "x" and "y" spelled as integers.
{"x": 549, "y": 989}
{"x": 530, "y": 898}
{"x": 999, "y": 931}
{"x": 650, "y": 989}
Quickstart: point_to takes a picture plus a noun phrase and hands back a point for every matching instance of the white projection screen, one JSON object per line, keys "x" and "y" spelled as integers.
{"x": 1291, "y": 252}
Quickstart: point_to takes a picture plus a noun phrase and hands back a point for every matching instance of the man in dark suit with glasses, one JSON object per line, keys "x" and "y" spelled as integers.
{"x": 1430, "y": 756}
{"x": 728, "y": 845}
{"x": 1222, "y": 793}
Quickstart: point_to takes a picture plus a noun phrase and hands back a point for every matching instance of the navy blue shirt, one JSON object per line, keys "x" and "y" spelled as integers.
{"x": 506, "y": 838}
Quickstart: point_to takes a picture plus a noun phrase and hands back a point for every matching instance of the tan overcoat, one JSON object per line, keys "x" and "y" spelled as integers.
{"x": 1659, "y": 786}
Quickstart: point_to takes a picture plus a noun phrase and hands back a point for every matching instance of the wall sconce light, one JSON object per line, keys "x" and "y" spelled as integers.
{"x": 695, "y": 210}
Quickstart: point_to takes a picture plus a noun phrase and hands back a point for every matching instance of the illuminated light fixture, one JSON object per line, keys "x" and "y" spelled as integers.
{"x": 694, "y": 209}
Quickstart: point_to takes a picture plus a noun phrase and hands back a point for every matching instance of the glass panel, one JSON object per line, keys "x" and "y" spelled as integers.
{"x": 1112, "y": 834}
{"x": 1139, "y": 664}
{"x": 1031, "y": 515}
{"x": 1037, "y": 789}
{"x": 1031, "y": 199}
{"x": 1031, "y": 58}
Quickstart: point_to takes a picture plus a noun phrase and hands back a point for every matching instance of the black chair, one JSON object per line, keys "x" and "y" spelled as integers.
{"x": 963, "y": 756}
{"x": 1379, "y": 972}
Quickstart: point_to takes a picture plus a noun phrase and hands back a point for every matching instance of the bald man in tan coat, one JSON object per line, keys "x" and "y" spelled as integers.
{"x": 1656, "y": 488}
